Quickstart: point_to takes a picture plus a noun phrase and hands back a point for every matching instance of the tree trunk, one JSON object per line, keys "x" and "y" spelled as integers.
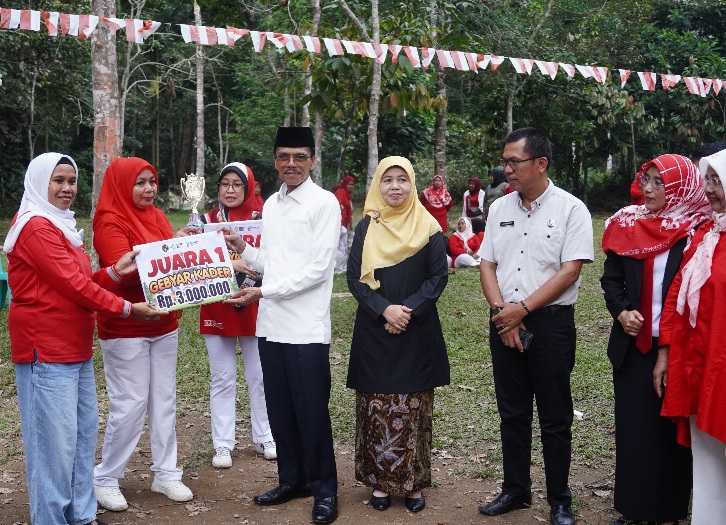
{"x": 374, "y": 102}
{"x": 510, "y": 111}
{"x": 106, "y": 145}
{"x": 344, "y": 149}
{"x": 318, "y": 132}
{"x": 200, "y": 97}
{"x": 441, "y": 123}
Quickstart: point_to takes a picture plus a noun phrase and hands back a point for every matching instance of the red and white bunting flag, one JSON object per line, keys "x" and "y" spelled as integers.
{"x": 223, "y": 38}
{"x": 483, "y": 61}
{"x": 4, "y": 18}
{"x": 279, "y": 40}
{"x": 522, "y": 65}
{"x": 647, "y": 80}
{"x": 30, "y": 20}
{"x": 364, "y": 49}
{"x": 668, "y": 81}
{"x": 412, "y": 54}
{"x": 139, "y": 30}
{"x": 460, "y": 61}
{"x": 624, "y": 76}
{"x": 717, "y": 85}
{"x": 203, "y": 35}
{"x": 333, "y": 47}
{"x": 381, "y": 52}
{"x": 395, "y": 49}
{"x": 473, "y": 60}
{"x": 20, "y": 19}
{"x": 707, "y": 83}
{"x": 427, "y": 56}
{"x": 234, "y": 34}
{"x": 601, "y": 74}
{"x": 695, "y": 86}
{"x": 569, "y": 69}
{"x": 495, "y": 61}
{"x": 258, "y": 40}
{"x": 78, "y": 25}
{"x": 444, "y": 57}
{"x": 547, "y": 68}
{"x": 51, "y": 21}
{"x": 312, "y": 44}
{"x": 596, "y": 72}
{"x": 114, "y": 23}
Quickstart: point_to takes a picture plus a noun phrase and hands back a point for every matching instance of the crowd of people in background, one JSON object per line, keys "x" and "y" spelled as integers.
{"x": 529, "y": 239}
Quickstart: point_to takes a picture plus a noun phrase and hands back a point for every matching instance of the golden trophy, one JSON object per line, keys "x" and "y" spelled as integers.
{"x": 192, "y": 187}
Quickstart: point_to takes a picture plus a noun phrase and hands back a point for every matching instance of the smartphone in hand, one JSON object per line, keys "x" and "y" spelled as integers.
{"x": 525, "y": 336}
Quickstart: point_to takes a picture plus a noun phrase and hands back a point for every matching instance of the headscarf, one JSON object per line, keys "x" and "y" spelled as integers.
{"x": 243, "y": 212}
{"x": 468, "y": 232}
{"x": 636, "y": 232}
{"x": 394, "y": 233}
{"x": 344, "y": 184}
{"x": 477, "y": 186}
{"x": 437, "y": 198}
{"x": 498, "y": 175}
{"x": 698, "y": 270}
{"x": 116, "y": 204}
{"x": 35, "y": 202}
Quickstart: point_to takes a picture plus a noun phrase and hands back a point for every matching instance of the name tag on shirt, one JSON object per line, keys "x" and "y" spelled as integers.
{"x": 507, "y": 223}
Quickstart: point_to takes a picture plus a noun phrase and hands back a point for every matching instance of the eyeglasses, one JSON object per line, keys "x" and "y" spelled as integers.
{"x": 656, "y": 184}
{"x": 713, "y": 182}
{"x": 237, "y": 186}
{"x": 514, "y": 164}
{"x": 298, "y": 158}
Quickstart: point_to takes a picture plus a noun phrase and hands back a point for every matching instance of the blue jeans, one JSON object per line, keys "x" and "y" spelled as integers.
{"x": 59, "y": 420}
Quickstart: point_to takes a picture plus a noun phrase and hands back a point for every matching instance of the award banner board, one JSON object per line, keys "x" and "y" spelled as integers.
{"x": 186, "y": 271}
{"x": 250, "y": 231}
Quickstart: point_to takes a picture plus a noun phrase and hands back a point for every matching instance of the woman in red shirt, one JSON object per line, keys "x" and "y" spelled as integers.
{"x": 437, "y": 200}
{"x": 692, "y": 355}
{"x": 222, "y": 325}
{"x": 139, "y": 359}
{"x": 54, "y": 293}
{"x": 464, "y": 245}
{"x": 344, "y": 194}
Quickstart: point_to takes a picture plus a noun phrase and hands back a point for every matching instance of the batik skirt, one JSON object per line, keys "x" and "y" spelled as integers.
{"x": 393, "y": 440}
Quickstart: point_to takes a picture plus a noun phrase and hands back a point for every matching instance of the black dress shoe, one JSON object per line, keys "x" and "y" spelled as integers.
{"x": 380, "y": 502}
{"x": 416, "y": 504}
{"x": 561, "y": 515}
{"x": 325, "y": 510}
{"x": 283, "y": 494}
{"x": 505, "y": 502}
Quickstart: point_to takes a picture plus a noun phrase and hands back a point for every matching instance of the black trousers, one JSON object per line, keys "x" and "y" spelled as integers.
{"x": 543, "y": 373}
{"x": 297, "y": 390}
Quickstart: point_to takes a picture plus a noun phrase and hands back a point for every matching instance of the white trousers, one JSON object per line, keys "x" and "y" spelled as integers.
{"x": 140, "y": 375}
{"x": 465, "y": 260}
{"x": 709, "y": 478}
{"x": 222, "y": 393}
{"x": 341, "y": 257}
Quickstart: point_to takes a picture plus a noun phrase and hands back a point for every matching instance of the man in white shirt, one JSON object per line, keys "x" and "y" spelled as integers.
{"x": 301, "y": 225}
{"x": 537, "y": 239}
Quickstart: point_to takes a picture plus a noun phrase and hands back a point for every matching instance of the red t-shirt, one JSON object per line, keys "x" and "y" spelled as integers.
{"x": 54, "y": 297}
{"x": 111, "y": 242}
{"x": 456, "y": 245}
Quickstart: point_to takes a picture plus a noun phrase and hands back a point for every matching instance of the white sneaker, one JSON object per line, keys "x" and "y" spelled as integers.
{"x": 267, "y": 449}
{"x": 174, "y": 489}
{"x": 222, "y": 458}
{"x": 110, "y": 498}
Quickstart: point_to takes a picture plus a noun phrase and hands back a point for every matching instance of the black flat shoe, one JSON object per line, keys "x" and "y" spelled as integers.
{"x": 380, "y": 502}
{"x": 416, "y": 504}
{"x": 505, "y": 502}
{"x": 561, "y": 515}
{"x": 282, "y": 494}
{"x": 325, "y": 510}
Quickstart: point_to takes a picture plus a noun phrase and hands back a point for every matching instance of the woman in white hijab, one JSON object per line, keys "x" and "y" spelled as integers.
{"x": 55, "y": 293}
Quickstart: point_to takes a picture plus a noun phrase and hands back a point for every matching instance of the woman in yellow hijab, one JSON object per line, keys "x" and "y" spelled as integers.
{"x": 396, "y": 271}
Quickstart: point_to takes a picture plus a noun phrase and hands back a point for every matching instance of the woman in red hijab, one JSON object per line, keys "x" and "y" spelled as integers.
{"x": 644, "y": 246}
{"x": 473, "y": 199}
{"x": 437, "y": 200}
{"x": 222, "y": 325}
{"x": 344, "y": 193}
{"x": 139, "y": 359}
{"x": 259, "y": 200}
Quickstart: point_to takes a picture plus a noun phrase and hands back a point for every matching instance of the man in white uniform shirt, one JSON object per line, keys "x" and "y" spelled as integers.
{"x": 537, "y": 239}
{"x": 300, "y": 225}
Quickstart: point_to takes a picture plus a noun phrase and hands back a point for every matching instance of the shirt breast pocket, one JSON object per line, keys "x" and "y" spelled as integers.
{"x": 547, "y": 246}
{"x": 299, "y": 237}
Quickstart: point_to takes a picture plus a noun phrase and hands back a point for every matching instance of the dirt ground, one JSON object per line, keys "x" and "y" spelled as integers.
{"x": 224, "y": 497}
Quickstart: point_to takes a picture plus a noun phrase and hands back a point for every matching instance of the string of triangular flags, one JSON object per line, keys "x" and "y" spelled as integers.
{"x": 137, "y": 31}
